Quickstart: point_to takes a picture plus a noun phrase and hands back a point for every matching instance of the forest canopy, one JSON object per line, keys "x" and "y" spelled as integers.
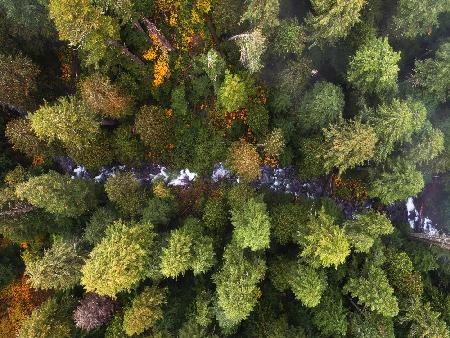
{"x": 224, "y": 168}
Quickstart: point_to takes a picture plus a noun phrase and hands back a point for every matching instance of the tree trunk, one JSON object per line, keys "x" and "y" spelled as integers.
{"x": 13, "y": 110}
{"x": 18, "y": 209}
{"x": 442, "y": 241}
{"x": 213, "y": 32}
{"x": 126, "y": 51}
{"x": 138, "y": 26}
{"x": 153, "y": 30}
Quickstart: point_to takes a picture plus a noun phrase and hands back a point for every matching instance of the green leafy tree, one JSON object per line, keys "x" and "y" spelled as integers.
{"x": 290, "y": 81}
{"x": 58, "y": 194}
{"x": 330, "y": 316}
{"x": 326, "y": 244}
{"x": 215, "y": 214}
{"x": 348, "y": 145}
{"x": 394, "y": 123}
{"x": 311, "y": 164}
{"x": 23, "y": 139}
{"x": 287, "y": 219}
{"x": 288, "y": 38}
{"x": 432, "y": 76}
{"x": 68, "y": 120}
{"x": 97, "y": 224}
{"x": 331, "y": 20}
{"x": 18, "y": 81}
{"x": 374, "y": 291}
{"x": 104, "y": 97}
{"x": 414, "y": 18}
{"x": 322, "y": 105}
{"x": 258, "y": 119}
{"x": 145, "y": 311}
{"x": 159, "y": 211}
{"x": 429, "y": 144}
{"x": 120, "y": 260}
{"x": 363, "y": 230}
{"x": 154, "y": 127}
{"x": 373, "y": 68}
{"x": 399, "y": 182}
{"x": 233, "y": 93}
{"x": 425, "y": 322}
{"x": 93, "y": 153}
{"x": 275, "y": 143}
{"x": 50, "y": 320}
{"x": 262, "y": 13}
{"x": 236, "y": 284}
{"x": 82, "y": 24}
{"x": 399, "y": 270}
{"x": 368, "y": 324}
{"x": 243, "y": 159}
{"x": 126, "y": 146}
{"x": 307, "y": 283}
{"x": 125, "y": 191}
{"x": 251, "y": 225}
{"x": 187, "y": 248}
{"x": 59, "y": 267}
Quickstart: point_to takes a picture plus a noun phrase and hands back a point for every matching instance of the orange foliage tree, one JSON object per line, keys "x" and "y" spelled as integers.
{"x": 17, "y": 301}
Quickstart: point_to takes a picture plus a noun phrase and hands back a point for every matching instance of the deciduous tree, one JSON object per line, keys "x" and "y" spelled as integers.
{"x": 120, "y": 260}
{"x": 18, "y": 81}
{"x": 145, "y": 311}
{"x": 94, "y": 311}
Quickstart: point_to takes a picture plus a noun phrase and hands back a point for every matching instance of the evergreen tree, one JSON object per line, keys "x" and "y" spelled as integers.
{"x": 236, "y": 284}
{"x": 18, "y": 81}
{"x": 68, "y": 120}
{"x": 373, "y": 68}
{"x": 307, "y": 283}
{"x": 399, "y": 182}
{"x": 58, "y": 268}
{"x": 50, "y": 320}
{"x": 58, "y": 194}
{"x": 431, "y": 76}
{"x": 394, "y": 123}
{"x": 251, "y": 225}
{"x": 424, "y": 321}
{"x": 374, "y": 291}
{"x": 348, "y": 145}
{"x": 415, "y": 18}
{"x": 366, "y": 228}
{"x": 322, "y": 105}
{"x": 331, "y": 20}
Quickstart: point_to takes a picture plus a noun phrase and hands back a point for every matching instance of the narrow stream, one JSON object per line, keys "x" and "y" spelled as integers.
{"x": 281, "y": 180}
